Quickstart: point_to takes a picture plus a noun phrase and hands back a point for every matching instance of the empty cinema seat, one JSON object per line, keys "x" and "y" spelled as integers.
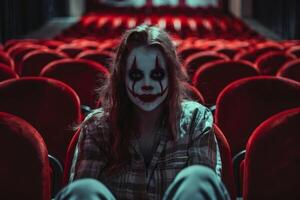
{"x": 82, "y": 75}
{"x": 295, "y": 50}
{"x": 20, "y": 51}
{"x": 102, "y": 57}
{"x": 245, "y": 103}
{"x": 291, "y": 70}
{"x": 7, "y": 73}
{"x": 270, "y": 63}
{"x": 5, "y": 59}
{"x": 195, "y": 61}
{"x": 186, "y": 51}
{"x": 272, "y": 164}
{"x": 72, "y": 50}
{"x": 193, "y": 93}
{"x": 213, "y": 77}
{"x": 25, "y": 169}
{"x": 50, "y": 106}
{"x": 33, "y": 63}
{"x": 253, "y": 54}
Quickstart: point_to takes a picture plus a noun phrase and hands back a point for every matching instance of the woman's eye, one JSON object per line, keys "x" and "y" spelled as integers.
{"x": 135, "y": 75}
{"x": 157, "y": 75}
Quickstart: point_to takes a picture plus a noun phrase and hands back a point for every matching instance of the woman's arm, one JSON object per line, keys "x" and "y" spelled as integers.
{"x": 203, "y": 147}
{"x": 89, "y": 157}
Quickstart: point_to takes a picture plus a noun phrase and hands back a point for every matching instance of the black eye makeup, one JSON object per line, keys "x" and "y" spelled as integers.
{"x": 157, "y": 74}
{"x": 135, "y": 74}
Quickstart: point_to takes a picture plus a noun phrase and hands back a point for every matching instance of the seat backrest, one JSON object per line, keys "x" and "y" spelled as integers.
{"x": 295, "y": 50}
{"x": 5, "y": 59}
{"x": 272, "y": 164}
{"x": 7, "y": 73}
{"x": 253, "y": 54}
{"x": 102, "y": 57}
{"x": 213, "y": 77}
{"x": 20, "y": 51}
{"x": 270, "y": 63}
{"x": 50, "y": 106}
{"x": 290, "y": 70}
{"x": 227, "y": 168}
{"x": 25, "y": 170}
{"x": 245, "y": 103}
{"x": 195, "y": 61}
{"x": 193, "y": 93}
{"x": 82, "y": 75}
{"x": 71, "y": 50}
{"x": 33, "y": 63}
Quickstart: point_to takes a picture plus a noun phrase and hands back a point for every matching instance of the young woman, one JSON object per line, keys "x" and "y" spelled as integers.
{"x": 147, "y": 141}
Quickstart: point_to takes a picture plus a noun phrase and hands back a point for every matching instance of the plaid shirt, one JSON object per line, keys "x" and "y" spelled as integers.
{"x": 195, "y": 144}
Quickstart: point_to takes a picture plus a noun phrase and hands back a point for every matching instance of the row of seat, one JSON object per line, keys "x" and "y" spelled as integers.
{"x": 266, "y": 146}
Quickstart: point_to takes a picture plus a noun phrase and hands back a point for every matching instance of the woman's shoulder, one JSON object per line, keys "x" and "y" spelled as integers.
{"x": 194, "y": 115}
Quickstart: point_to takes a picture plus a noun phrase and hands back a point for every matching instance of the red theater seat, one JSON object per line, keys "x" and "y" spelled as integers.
{"x": 71, "y": 50}
{"x": 48, "y": 105}
{"x": 213, "y": 77}
{"x": 295, "y": 51}
{"x": 291, "y": 70}
{"x": 195, "y": 61}
{"x": 270, "y": 63}
{"x": 20, "y": 51}
{"x": 7, "y": 73}
{"x": 33, "y": 63}
{"x": 245, "y": 103}
{"x": 272, "y": 159}
{"x": 193, "y": 93}
{"x": 102, "y": 57}
{"x": 186, "y": 51}
{"x": 5, "y": 59}
{"x": 253, "y": 54}
{"x": 82, "y": 75}
{"x": 24, "y": 170}
{"x": 227, "y": 168}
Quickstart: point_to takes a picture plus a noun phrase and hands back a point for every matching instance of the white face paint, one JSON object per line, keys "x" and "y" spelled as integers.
{"x": 146, "y": 77}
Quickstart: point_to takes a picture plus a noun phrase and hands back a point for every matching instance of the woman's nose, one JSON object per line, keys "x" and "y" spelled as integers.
{"x": 147, "y": 87}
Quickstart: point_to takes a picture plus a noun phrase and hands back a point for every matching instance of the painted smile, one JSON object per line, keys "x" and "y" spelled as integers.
{"x": 148, "y": 97}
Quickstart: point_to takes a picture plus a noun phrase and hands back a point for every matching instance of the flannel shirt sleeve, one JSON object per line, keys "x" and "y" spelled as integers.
{"x": 203, "y": 147}
{"x": 89, "y": 158}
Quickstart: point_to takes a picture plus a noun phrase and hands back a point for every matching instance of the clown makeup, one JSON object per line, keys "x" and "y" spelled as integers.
{"x": 146, "y": 77}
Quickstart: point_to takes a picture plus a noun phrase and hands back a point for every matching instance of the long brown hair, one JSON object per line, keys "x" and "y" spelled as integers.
{"x": 116, "y": 103}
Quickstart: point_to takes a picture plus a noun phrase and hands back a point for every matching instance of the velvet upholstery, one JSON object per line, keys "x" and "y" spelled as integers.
{"x": 213, "y": 77}
{"x": 69, "y": 157}
{"x": 24, "y": 170}
{"x": 70, "y": 49}
{"x": 295, "y": 50}
{"x": 18, "y": 52}
{"x": 48, "y": 105}
{"x": 193, "y": 93}
{"x": 197, "y": 60}
{"x": 290, "y": 70}
{"x": 5, "y": 59}
{"x": 7, "y": 73}
{"x": 186, "y": 51}
{"x": 33, "y": 63}
{"x": 270, "y": 63}
{"x": 245, "y": 103}
{"x": 227, "y": 168}
{"x": 272, "y": 159}
{"x": 102, "y": 57}
{"x": 82, "y": 75}
{"x": 253, "y": 54}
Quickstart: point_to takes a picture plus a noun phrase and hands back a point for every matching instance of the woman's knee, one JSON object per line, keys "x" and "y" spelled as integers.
{"x": 89, "y": 189}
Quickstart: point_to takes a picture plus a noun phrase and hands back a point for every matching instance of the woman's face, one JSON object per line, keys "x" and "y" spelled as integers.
{"x": 146, "y": 77}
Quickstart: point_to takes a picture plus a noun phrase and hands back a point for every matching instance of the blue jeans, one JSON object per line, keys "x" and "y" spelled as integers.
{"x": 194, "y": 182}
